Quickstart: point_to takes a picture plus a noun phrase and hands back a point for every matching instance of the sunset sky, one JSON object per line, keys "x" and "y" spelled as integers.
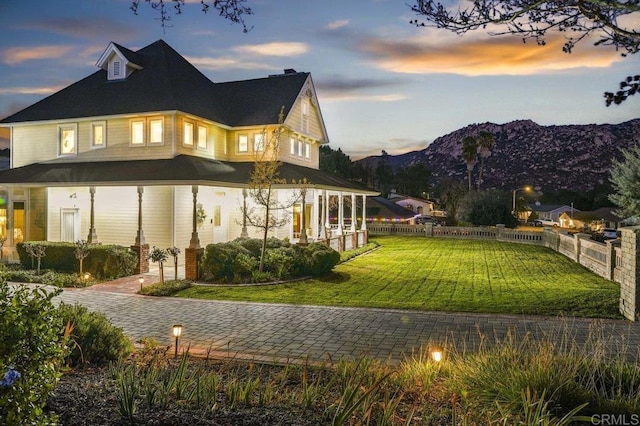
{"x": 382, "y": 83}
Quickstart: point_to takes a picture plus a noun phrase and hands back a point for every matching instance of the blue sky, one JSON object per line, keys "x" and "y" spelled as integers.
{"x": 382, "y": 83}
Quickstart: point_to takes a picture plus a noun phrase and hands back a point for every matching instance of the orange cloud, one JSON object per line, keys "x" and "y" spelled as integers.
{"x": 227, "y": 63}
{"x": 16, "y": 55}
{"x": 30, "y": 90}
{"x": 274, "y": 49}
{"x": 483, "y": 56}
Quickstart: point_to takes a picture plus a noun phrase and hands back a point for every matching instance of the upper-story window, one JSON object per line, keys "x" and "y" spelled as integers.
{"x": 98, "y": 134}
{"x": 307, "y": 150}
{"x": 137, "y": 132}
{"x": 300, "y": 148}
{"x": 67, "y": 139}
{"x": 243, "y": 143}
{"x": 202, "y": 137}
{"x": 188, "y": 134}
{"x": 258, "y": 142}
{"x": 292, "y": 146}
{"x": 156, "y": 127}
{"x": 305, "y": 116}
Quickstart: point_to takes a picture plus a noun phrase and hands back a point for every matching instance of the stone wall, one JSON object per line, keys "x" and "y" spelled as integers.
{"x": 630, "y": 274}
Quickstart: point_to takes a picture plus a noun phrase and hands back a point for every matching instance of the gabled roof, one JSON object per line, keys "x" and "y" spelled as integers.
{"x": 168, "y": 82}
{"x": 550, "y": 207}
{"x": 381, "y": 207}
{"x": 183, "y": 169}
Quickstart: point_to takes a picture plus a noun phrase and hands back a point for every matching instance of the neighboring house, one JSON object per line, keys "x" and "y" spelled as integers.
{"x": 129, "y": 154}
{"x": 595, "y": 220}
{"x": 550, "y": 211}
{"x": 419, "y": 206}
{"x": 380, "y": 209}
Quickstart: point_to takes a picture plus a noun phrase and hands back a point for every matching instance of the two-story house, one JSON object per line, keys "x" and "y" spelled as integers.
{"x": 149, "y": 151}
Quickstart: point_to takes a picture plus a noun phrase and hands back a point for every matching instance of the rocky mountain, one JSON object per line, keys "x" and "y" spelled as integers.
{"x": 550, "y": 158}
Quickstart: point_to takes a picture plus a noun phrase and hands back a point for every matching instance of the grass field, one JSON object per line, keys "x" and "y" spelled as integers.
{"x": 446, "y": 275}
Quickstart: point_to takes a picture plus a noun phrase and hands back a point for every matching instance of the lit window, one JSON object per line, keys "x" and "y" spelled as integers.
{"x": 258, "y": 142}
{"x": 292, "y": 143}
{"x": 188, "y": 134}
{"x": 67, "y": 139}
{"x": 307, "y": 150}
{"x": 98, "y": 134}
{"x": 217, "y": 210}
{"x": 155, "y": 130}
{"x": 137, "y": 132}
{"x": 243, "y": 143}
{"x": 300, "y": 148}
{"x": 202, "y": 137}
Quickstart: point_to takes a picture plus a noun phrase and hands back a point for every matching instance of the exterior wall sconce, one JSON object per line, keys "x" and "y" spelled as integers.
{"x": 177, "y": 331}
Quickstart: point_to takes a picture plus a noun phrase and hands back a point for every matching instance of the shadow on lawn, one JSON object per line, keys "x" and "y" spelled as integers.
{"x": 335, "y": 278}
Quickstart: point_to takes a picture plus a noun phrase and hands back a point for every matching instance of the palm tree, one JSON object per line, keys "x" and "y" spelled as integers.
{"x": 486, "y": 141}
{"x": 470, "y": 155}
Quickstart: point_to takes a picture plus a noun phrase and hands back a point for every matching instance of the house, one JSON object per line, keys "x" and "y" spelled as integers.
{"x": 419, "y": 206}
{"x": 595, "y": 220}
{"x": 380, "y": 209}
{"x": 148, "y": 151}
{"x": 548, "y": 211}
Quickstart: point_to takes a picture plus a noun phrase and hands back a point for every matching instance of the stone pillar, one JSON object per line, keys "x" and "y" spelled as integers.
{"x": 92, "y": 238}
{"x": 244, "y": 233}
{"x": 142, "y": 251}
{"x": 340, "y": 214}
{"x": 630, "y": 282}
{"x": 428, "y": 229}
{"x": 611, "y": 257}
{"x": 193, "y": 253}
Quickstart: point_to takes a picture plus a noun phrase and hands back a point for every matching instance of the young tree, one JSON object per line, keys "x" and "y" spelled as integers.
{"x": 271, "y": 213}
{"x": 625, "y": 178}
{"x": 231, "y": 10}
{"x": 175, "y": 252}
{"x": 159, "y": 256}
{"x": 486, "y": 141}
{"x": 81, "y": 252}
{"x": 470, "y": 155}
{"x": 35, "y": 251}
{"x": 612, "y": 21}
{"x": 451, "y": 194}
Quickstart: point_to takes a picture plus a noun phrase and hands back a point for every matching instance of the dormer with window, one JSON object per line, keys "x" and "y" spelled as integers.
{"x": 119, "y": 62}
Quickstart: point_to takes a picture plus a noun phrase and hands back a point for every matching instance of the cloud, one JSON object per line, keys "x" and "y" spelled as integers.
{"x": 85, "y": 27}
{"x": 338, "y": 88}
{"x": 30, "y": 90}
{"x": 274, "y": 49}
{"x": 474, "y": 56}
{"x": 337, "y": 24}
{"x": 224, "y": 63}
{"x": 17, "y": 55}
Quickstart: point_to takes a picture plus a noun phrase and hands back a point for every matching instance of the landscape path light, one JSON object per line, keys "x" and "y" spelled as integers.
{"x": 436, "y": 354}
{"x": 177, "y": 331}
{"x": 87, "y": 276}
{"x": 141, "y": 281}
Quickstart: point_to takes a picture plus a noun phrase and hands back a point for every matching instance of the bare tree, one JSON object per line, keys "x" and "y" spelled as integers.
{"x": 271, "y": 212}
{"x": 612, "y": 21}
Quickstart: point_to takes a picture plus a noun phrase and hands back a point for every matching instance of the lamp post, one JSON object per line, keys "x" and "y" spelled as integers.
{"x": 524, "y": 188}
{"x": 177, "y": 331}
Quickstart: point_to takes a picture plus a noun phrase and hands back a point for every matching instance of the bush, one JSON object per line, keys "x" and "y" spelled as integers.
{"x": 219, "y": 262}
{"x": 321, "y": 259}
{"x": 103, "y": 261}
{"x": 487, "y": 209}
{"x": 51, "y": 278}
{"x": 31, "y": 353}
{"x": 168, "y": 288}
{"x": 94, "y": 339}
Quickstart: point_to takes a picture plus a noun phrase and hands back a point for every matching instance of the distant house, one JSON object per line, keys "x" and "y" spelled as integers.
{"x": 419, "y": 206}
{"x": 550, "y": 211}
{"x": 380, "y": 209}
{"x": 595, "y": 220}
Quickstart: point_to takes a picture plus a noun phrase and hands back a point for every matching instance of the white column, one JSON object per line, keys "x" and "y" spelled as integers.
{"x": 354, "y": 218}
{"x": 340, "y": 214}
{"x": 364, "y": 213}
{"x": 327, "y": 223}
{"x": 315, "y": 214}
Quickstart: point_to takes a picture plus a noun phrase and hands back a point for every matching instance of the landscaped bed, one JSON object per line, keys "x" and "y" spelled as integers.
{"x": 447, "y": 275}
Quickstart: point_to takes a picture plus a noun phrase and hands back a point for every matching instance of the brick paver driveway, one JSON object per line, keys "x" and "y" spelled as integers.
{"x": 280, "y": 332}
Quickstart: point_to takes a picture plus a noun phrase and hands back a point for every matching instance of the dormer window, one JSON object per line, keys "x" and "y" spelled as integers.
{"x": 119, "y": 62}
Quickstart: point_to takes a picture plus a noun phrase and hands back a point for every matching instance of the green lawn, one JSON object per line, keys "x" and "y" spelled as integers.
{"x": 446, "y": 275}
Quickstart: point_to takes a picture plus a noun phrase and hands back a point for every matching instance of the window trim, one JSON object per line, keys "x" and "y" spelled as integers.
{"x": 246, "y": 144}
{"x": 64, "y": 127}
{"x": 300, "y": 148}
{"x": 257, "y": 136}
{"x": 149, "y": 121}
{"x": 132, "y": 122}
{"x": 184, "y": 134}
{"x": 92, "y": 128}
{"x": 199, "y": 145}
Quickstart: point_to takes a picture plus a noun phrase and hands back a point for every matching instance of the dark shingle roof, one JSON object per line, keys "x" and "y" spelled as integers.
{"x": 381, "y": 207}
{"x": 183, "y": 169}
{"x": 168, "y": 82}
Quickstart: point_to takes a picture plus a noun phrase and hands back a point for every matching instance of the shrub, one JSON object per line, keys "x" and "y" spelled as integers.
{"x": 33, "y": 347}
{"x": 321, "y": 259}
{"x": 487, "y": 209}
{"x": 103, "y": 261}
{"x": 280, "y": 261}
{"x": 94, "y": 339}
{"x": 218, "y": 262}
{"x": 168, "y": 288}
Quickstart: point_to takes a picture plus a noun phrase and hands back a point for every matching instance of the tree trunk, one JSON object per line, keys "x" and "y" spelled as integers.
{"x": 469, "y": 178}
{"x": 161, "y": 273}
{"x": 481, "y": 170}
{"x": 266, "y": 231}
{"x": 175, "y": 266}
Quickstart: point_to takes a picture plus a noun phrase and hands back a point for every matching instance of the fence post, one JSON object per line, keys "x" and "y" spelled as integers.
{"x": 500, "y": 227}
{"x": 550, "y": 238}
{"x": 428, "y": 229}
{"x": 611, "y": 257}
{"x": 577, "y": 246}
{"x": 630, "y": 277}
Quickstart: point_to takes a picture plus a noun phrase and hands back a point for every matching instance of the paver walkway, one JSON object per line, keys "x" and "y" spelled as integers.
{"x": 281, "y": 332}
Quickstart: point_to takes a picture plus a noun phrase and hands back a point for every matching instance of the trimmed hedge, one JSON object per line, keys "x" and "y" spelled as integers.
{"x": 237, "y": 261}
{"x": 104, "y": 261}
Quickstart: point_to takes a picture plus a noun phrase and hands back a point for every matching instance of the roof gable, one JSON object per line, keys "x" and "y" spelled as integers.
{"x": 118, "y": 62}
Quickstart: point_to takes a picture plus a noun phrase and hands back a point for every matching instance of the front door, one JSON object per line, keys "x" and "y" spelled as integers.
{"x": 70, "y": 225}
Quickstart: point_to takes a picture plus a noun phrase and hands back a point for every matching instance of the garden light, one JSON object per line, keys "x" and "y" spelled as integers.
{"x": 436, "y": 354}
{"x": 141, "y": 281}
{"x": 177, "y": 331}
{"x": 87, "y": 276}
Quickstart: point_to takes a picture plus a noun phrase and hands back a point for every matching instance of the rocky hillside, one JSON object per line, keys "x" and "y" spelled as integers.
{"x": 551, "y": 158}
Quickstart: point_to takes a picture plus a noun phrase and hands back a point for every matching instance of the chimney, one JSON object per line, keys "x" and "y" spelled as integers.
{"x": 290, "y": 71}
